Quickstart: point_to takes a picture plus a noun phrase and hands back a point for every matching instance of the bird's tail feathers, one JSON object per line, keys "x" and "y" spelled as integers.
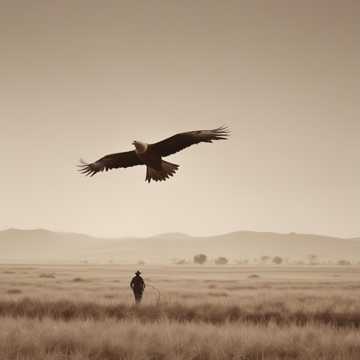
{"x": 167, "y": 169}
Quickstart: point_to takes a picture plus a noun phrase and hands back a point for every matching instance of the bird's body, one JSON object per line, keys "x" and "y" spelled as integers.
{"x": 156, "y": 168}
{"x": 147, "y": 155}
{"x": 151, "y": 155}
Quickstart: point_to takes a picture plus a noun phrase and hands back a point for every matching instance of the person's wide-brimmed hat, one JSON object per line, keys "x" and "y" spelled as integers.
{"x": 138, "y": 272}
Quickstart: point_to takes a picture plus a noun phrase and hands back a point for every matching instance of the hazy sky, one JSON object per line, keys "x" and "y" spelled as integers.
{"x": 86, "y": 78}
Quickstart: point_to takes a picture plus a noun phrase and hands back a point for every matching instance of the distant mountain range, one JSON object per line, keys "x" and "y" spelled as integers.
{"x": 44, "y": 246}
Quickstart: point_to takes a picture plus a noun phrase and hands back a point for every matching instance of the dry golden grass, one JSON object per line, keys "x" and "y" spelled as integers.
{"x": 87, "y": 312}
{"x": 112, "y": 340}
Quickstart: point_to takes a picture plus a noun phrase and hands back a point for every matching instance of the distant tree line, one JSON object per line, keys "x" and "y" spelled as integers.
{"x": 312, "y": 260}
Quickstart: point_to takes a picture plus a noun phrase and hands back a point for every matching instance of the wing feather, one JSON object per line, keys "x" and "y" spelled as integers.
{"x": 183, "y": 140}
{"x": 108, "y": 162}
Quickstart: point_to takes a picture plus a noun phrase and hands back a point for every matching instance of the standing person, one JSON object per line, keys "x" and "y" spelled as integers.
{"x": 137, "y": 285}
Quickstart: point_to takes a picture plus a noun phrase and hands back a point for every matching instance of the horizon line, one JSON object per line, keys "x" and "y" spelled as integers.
{"x": 174, "y": 233}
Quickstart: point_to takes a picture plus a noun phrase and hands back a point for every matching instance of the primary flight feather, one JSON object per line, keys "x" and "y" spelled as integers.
{"x": 151, "y": 155}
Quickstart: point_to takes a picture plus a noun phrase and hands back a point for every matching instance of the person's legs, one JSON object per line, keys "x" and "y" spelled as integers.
{"x": 138, "y": 296}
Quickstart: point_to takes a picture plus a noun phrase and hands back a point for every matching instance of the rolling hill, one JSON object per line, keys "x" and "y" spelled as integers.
{"x": 44, "y": 246}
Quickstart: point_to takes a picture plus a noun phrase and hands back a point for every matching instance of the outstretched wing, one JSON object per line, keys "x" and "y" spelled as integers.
{"x": 181, "y": 141}
{"x": 108, "y": 162}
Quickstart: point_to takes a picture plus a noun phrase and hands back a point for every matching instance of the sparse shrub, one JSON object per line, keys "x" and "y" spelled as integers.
{"x": 253, "y": 276}
{"x": 179, "y": 261}
{"x": 141, "y": 262}
{"x": 221, "y": 260}
{"x": 78, "y": 279}
{"x": 218, "y": 294}
{"x": 313, "y": 259}
{"x": 242, "y": 261}
{"x": 344, "y": 262}
{"x": 277, "y": 260}
{"x": 47, "y": 275}
{"x": 110, "y": 296}
{"x": 200, "y": 259}
{"x": 14, "y": 291}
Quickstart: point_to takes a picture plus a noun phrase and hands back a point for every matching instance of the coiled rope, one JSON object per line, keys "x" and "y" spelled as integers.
{"x": 158, "y": 293}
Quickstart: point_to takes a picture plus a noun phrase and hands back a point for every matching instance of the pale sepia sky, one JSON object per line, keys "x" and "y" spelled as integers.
{"x": 85, "y": 78}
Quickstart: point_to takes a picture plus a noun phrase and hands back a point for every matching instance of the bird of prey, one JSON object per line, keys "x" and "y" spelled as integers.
{"x": 151, "y": 155}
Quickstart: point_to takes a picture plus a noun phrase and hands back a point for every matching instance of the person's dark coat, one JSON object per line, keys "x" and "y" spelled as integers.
{"x": 137, "y": 284}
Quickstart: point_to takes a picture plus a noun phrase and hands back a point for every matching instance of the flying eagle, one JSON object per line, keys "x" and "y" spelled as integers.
{"x": 151, "y": 154}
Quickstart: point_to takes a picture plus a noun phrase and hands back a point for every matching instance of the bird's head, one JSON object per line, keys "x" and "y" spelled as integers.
{"x": 139, "y": 146}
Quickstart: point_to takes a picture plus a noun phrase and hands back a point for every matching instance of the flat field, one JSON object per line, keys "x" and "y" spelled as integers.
{"x": 189, "y": 312}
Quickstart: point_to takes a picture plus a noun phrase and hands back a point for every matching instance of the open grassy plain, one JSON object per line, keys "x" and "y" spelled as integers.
{"x": 188, "y": 312}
